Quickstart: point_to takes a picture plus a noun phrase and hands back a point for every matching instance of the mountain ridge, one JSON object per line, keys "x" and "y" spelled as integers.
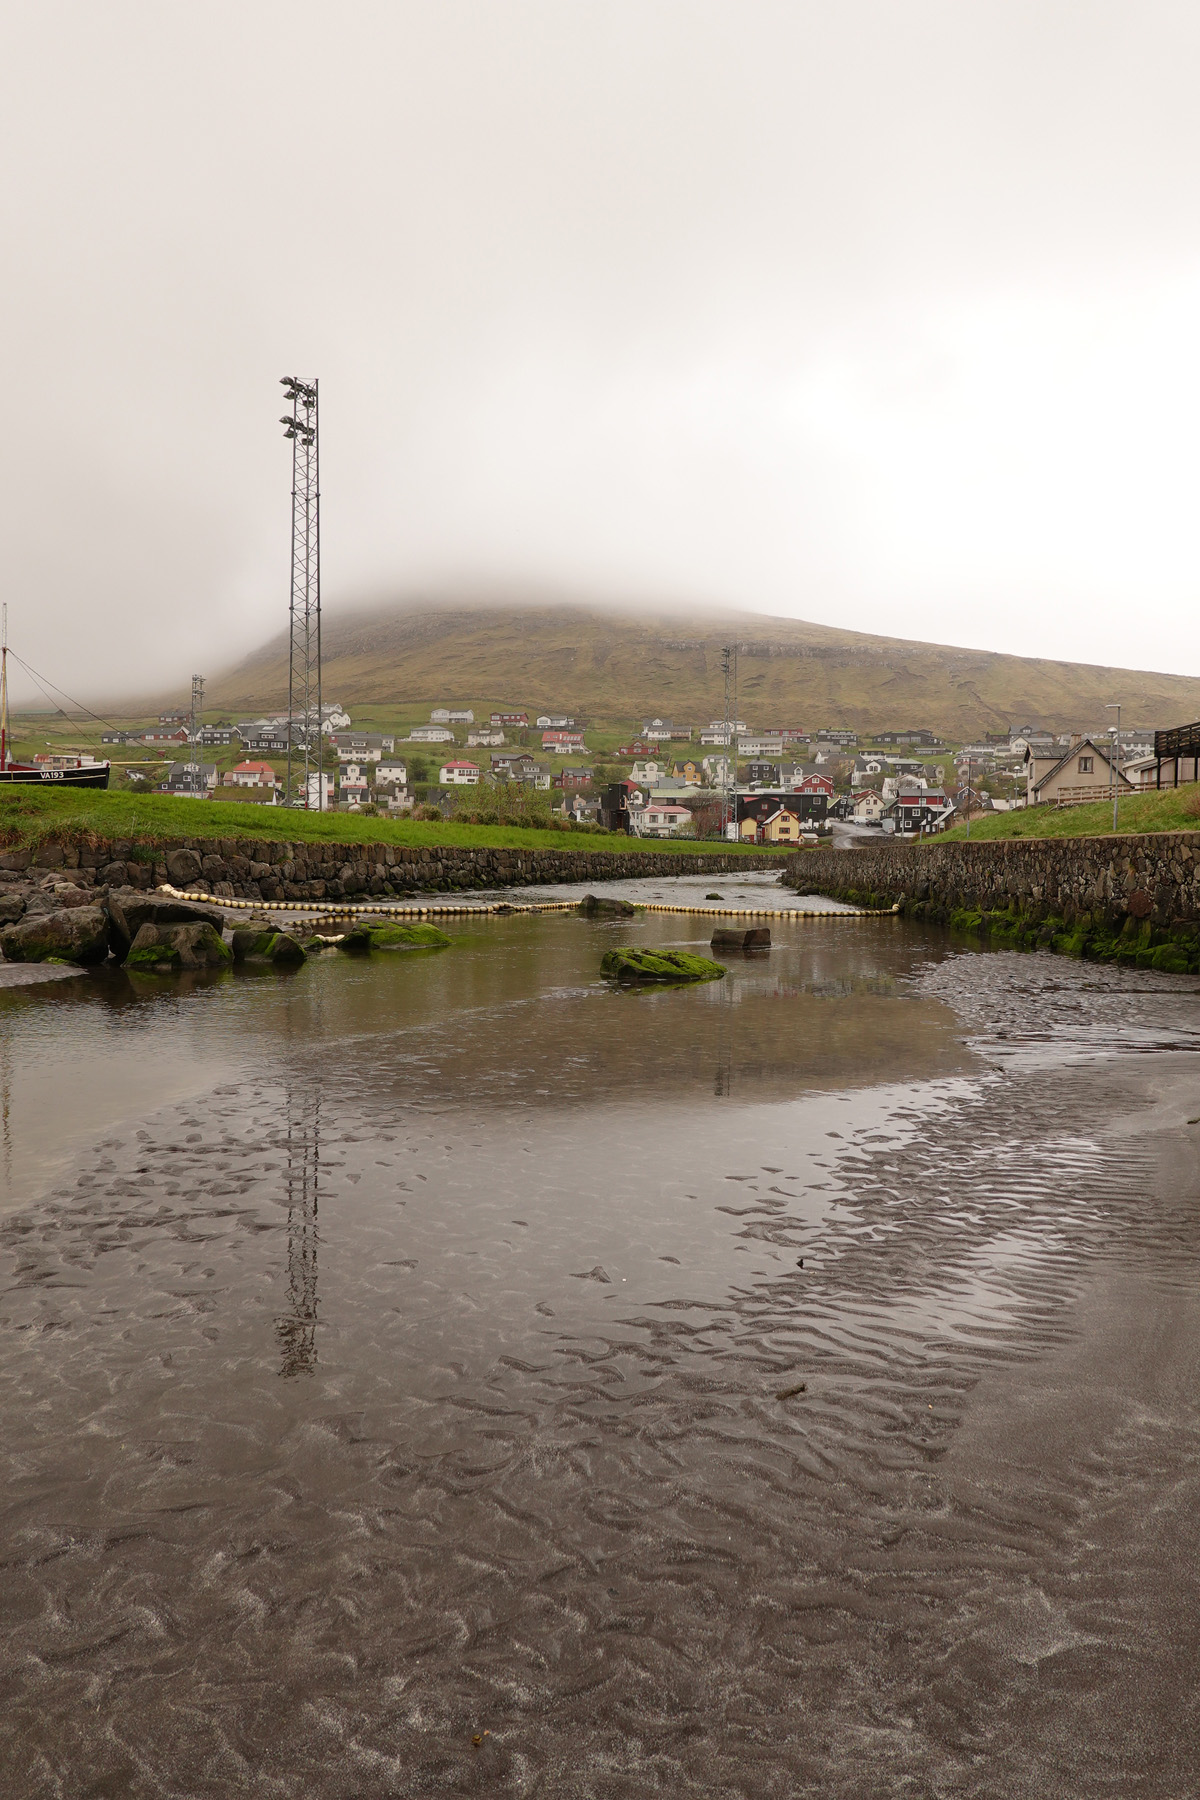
{"x": 613, "y": 664}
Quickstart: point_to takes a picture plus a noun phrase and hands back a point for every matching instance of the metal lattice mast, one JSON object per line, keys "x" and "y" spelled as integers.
{"x": 196, "y": 769}
{"x": 304, "y": 648}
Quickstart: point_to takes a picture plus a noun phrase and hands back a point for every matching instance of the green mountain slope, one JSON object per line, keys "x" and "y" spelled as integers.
{"x": 612, "y": 666}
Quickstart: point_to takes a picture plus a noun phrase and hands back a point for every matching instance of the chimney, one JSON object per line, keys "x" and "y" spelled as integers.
{"x": 1076, "y": 740}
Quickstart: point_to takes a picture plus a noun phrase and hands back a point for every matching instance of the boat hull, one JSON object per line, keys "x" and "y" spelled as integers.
{"x": 93, "y": 777}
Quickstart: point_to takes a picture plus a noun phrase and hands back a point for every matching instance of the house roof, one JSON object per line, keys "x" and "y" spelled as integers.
{"x": 1075, "y": 749}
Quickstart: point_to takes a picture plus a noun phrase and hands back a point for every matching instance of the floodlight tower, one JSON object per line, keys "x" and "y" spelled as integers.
{"x": 304, "y": 648}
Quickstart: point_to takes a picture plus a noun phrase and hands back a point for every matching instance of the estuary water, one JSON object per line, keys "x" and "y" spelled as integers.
{"x": 445, "y": 1373}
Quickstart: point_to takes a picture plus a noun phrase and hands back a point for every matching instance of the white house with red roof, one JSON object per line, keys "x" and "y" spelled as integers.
{"x": 251, "y": 774}
{"x": 458, "y": 774}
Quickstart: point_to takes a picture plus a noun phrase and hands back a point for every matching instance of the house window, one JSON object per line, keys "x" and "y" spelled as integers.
{"x": 1085, "y": 765}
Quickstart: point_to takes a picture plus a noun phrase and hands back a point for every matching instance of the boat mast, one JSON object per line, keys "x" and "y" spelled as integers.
{"x": 4, "y": 689}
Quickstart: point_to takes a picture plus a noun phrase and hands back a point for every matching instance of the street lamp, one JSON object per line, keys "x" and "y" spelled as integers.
{"x": 1115, "y": 706}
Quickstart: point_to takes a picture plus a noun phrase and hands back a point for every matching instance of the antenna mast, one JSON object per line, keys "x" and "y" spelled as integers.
{"x": 302, "y": 426}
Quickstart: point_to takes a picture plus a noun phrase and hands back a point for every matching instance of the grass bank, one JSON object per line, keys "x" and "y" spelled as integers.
{"x": 1175, "y": 809}
{"x": 31, "y": 815}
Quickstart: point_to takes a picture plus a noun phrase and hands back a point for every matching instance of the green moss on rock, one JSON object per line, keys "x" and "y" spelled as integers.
{"x": 659, "y": 965}
{"x": 418, "y": 936}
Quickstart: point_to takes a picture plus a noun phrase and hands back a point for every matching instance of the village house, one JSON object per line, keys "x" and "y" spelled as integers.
{"x": 636, "y": 749}
{"x": 213, "y": 736}
{"x": 764, "y": 774}
{"x": 658, "y": 818}
{"x": 550, "y": 722}
{"x": 648, "y": 772}
{"x": 845, "y": 740}
{"x": 562, "y": 743}
{"x": 1080, "y": 773}
{"x": 917, "y": 807}
{"x": 250, "y": 774}
{"x": 866, "y": 807}
{"x": 182, "y": 778}
{"x": 513, "y": 765}
{"x": 354, "y": 782}
{"x": 869, "y": 769}
{"x": 661, "y": 731}
{"x": 391, "y": 772}
{"x": 617, "y": 801}
{"x": 258, "y": 735}
{"x": 458, "y": 774}
{"x": 753, "y": 808}
{"x": 431, "y": 734}
{"x": 484, "y": 737}
{"x": 320, "y": 789}
{"x": 690, "y": 772}
{"x": 760, "y": 745}
{"x": 781, "y": 827}
{"x": 165, "y": 734}
{"x": 719, "y": 733}
{"x": 362, "y": 746}
{"x": 718, "y": 770}
{"x": 518, "y": 719}
{"x": 573, "y": 778}
{"x": 446, "y": 715}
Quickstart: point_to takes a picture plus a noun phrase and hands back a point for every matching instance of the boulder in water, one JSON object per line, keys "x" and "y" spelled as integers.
{"x": 185, "y": 944}
{"x": 595, "y": 906}
{"x": 271, "y": 946}
{"x": 78, "y": 934}
{"x": 130, "y": 909}
{"x": 659, "y": 965}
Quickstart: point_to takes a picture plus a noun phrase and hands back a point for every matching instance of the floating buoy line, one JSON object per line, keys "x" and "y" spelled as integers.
{"x": 338, "y": 909}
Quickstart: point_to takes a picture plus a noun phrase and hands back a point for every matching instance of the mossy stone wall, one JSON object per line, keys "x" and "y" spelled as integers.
{"x": 234, "y": 868}
{"x": 1124, "y": 898}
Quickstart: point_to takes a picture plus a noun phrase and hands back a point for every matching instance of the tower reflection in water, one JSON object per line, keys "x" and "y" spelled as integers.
{"x": 296, "y": 1325}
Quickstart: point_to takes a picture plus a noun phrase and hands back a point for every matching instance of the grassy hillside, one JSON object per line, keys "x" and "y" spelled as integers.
{"x": 1175, "y": 810}
{"x": 613, "y": 668}
{"x": 29, "y": 816}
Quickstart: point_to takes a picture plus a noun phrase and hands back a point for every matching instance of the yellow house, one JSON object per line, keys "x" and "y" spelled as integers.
{"x": 783, "y": 827}
{"x": 1081, "y": 773}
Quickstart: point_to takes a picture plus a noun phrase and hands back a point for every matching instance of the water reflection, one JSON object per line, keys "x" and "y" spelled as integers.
{"x": 296, "y": 1326}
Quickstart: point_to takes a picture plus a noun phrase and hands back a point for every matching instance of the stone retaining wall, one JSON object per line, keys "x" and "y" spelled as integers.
{"x": 236, "y": 868}
{"x": 1128, "y": 897}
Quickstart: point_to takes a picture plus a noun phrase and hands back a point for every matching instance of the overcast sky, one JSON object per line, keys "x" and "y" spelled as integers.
{"x": 882, "y": 313}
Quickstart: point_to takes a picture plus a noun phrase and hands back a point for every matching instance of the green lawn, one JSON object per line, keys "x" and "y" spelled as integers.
{"x": 28, "y": 815}
{"x": 1175, "y": 809}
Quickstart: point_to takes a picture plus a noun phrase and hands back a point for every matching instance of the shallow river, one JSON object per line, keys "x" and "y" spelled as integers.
{"x": 446, "y": 1374}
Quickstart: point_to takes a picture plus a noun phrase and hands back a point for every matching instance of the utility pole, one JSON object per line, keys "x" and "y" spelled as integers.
{"x": 968, "y": 796}
{"x": 1114, "y": 771}
{"x": 302, "y": 426}
{"x": 196, "y": 770}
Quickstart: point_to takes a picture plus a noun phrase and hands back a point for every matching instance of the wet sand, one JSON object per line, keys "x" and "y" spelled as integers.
{"x": 809, "y": 1408}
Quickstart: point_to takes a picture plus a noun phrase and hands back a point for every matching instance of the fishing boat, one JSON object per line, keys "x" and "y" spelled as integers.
{"x": 59, "y": 771}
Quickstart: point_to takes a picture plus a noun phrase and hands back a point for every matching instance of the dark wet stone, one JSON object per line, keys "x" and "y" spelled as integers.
{"x": 78, "y": 934}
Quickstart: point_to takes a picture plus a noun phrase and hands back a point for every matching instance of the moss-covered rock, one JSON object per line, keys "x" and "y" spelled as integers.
{"x": 267, "y": 947}
{"x": 166, "y": 949}
{"x": 77, "y": 934}
{"x": 417, "y": 936}
{"x": 659, "y": 965}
